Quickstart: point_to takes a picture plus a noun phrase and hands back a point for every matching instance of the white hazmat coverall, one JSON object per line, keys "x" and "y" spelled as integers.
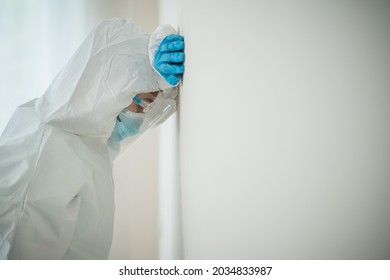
{"x": 56, "y": 186}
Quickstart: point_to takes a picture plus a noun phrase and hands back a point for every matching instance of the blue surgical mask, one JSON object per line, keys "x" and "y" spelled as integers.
{"x": 127, "y": 124}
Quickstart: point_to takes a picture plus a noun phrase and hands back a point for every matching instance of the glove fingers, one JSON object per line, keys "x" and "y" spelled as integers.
{"x": 169, "y": 58}
{"x": 171, "y": 46}
{"x": 174, "y": 57}
{"x": 168, "y": 68}
{"x": 173, "y": 79}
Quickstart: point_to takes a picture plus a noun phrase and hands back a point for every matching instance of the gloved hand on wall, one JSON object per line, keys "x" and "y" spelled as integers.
{"x": 169, "y": 58}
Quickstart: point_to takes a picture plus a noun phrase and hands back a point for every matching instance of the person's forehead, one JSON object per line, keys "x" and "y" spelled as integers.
{"x": 148, "y": 95}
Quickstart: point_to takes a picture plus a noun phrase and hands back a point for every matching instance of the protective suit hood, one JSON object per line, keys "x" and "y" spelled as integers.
{"x": 110, "y": 67}
{"x": 165, "y": 103}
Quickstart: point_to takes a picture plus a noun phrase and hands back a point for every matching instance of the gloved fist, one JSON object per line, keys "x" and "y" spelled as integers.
{"x": 169, "y": 58}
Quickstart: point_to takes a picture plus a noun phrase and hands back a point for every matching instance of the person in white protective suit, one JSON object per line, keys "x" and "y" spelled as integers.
{"x": 57, "y": 151}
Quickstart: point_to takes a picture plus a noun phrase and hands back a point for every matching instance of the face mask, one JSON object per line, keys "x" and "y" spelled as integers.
{"x": 127, "y": 124}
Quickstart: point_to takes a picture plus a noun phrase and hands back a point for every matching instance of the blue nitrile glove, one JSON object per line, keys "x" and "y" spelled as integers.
{"x": 169, "y": 58}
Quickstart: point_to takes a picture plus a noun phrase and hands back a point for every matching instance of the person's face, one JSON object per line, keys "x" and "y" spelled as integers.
{"x": 147, "y": 98}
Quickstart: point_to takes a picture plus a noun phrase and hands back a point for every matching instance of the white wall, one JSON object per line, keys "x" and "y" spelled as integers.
{"x": 285, "y": 129}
